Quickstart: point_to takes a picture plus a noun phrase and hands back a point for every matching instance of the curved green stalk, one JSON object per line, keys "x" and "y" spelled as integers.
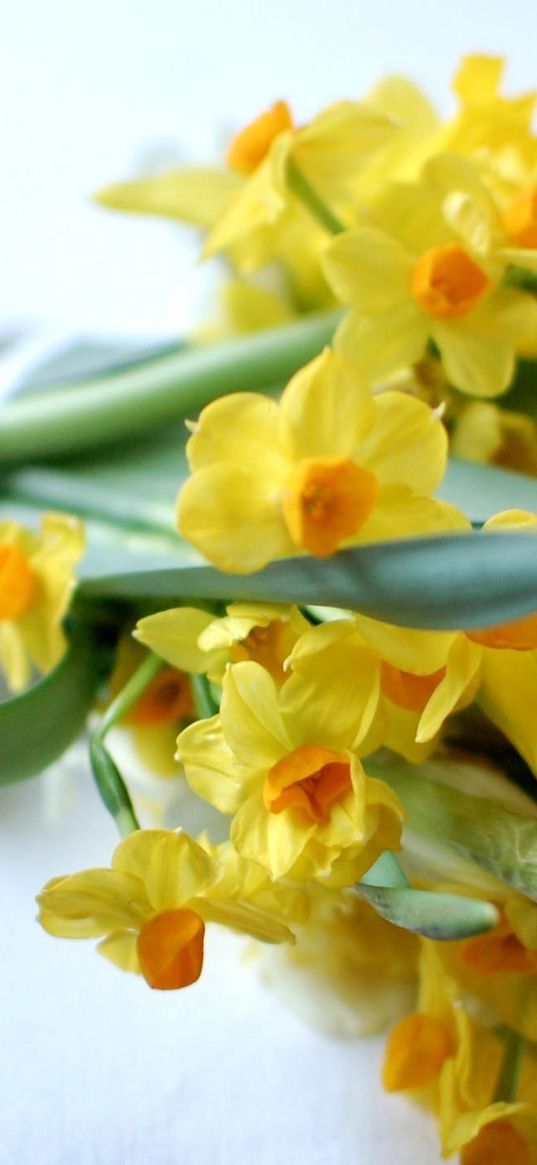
{"x": 89, "y": 413}
{"x": 307, "y": 195}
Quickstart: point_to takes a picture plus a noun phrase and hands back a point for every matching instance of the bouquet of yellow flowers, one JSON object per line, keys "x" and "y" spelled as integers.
{"x": 332, "y": 639}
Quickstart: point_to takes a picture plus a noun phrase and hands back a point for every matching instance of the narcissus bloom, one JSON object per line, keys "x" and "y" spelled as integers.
{"x": 153, "y": 904}
{"x": 328, "y": 466}
{"x": 197, "y": 641}
{"x": 424, "y": 676}
{"x": 411, "y": 278}
{"x": 283, "y": 763}
{"x": 36, "y": 581}
{"x": 453, "y": 1062}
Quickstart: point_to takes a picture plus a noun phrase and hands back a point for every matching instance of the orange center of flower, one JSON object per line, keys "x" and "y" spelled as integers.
{"x": 326, "y": 499}
{"x": 268, "y": 646}
{"x": 447, "y": 283}
{"x": 310, "y": 779}
{"x": 519, "y": 635}
{"x": 497, "y": 1143}
{"x": 170, "y": 949}
{"x": 18, "y": 583}
{"x": 407, "y": 690}
{"x": 248, "y": 148}
{"x": 500, "y": 950}
{"x": 167, "y": 698}
{"x": 520, "y": 218}
{"x": 415, "y": 1052}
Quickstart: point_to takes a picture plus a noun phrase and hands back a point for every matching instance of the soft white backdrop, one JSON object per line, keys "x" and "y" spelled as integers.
{"x": 96, "y": 1068}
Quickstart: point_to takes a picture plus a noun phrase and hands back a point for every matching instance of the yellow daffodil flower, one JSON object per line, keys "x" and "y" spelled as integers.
{"x": 483, "y": 432}
{"x": 196, "y": 641}
{"x": 328, "y": 466}
{"x": 152, "y": 905}
{"x": 282, "y": 761}
{"x": 451, "y": 1062}
{"x": 36, "y": 581}
{"x": 424, "y": 676}
{"x": 409, "y": 279}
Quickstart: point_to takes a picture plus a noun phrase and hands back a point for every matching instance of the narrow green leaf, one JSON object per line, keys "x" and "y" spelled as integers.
{"x": 440, "y": 916}
{"x": 447, "y": 581}
{"x": 37, "y": 726}
{"x": 500, "y": 841}
{"x": 112, "y": 788}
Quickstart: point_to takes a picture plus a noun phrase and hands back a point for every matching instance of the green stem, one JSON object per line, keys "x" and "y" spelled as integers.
{"x": 507, "y": 1083}
{"x": 386, "y": 871}
{"x": 304, "y": 191}
{"x": 133, "y": 400}
{"x": 130, "y": 693}
{"x": 206, "y": 705}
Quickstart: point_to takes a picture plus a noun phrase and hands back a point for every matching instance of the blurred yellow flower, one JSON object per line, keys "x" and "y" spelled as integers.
{"x": 36, "y": 582}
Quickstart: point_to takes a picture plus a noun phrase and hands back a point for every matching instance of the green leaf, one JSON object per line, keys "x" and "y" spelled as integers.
{"x": 500, "y": 841}
{"x": 445, "y": 581}
{"x": 156, "y": 392}
{"x": 438, "y": 916}
{"x": 37, "y": 726}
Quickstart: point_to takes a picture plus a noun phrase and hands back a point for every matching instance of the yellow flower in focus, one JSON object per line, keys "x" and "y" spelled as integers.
{"x": 196, "y": 641}
{"x": 328, "y": 466}
{"x": 36, "y": 582}
{"x": 424, "y": 676}
{"x": 411, "y": 278}
{"x": 282, "y": 762}
{"x": 152, "y": 907}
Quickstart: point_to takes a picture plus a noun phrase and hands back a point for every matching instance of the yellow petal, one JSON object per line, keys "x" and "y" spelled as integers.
{"x": 276, "y": 841}
{"x": 196, "y": 195}
{"x": 120, "y": 949}
{"x": 232, "y": 514}
{"x": 326, "y": 409}
{"x": 241, "y": 427}
{"x": 252, "y": 722}
{"x": 382, "y": 344}
{"x": 174, "y": 635}
{"x": 507, "y": 678}
{"x": 104, "y": 900}
{"x": 369, "y": 270}
{"x": 408, "y": 443}
{"x": 210, "y": 767}
{"x": 456, "y": 689}
{"x": 481, "y": 365}
{"x": 171, "y": 865}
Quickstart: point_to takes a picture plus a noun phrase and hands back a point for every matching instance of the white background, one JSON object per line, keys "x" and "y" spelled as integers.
{"x": 97, "y": 1069}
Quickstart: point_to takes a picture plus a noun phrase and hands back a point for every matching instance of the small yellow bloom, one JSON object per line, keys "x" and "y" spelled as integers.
{"x": 36, "y": 581}
{"x": 328, "y": 466}
{"x": 420, "y": 274}
{"x": 483, "y": 432}
{"x": 153, "y": 904}
{"x": 282, "y": 761}
{"x": 196, "y": 641}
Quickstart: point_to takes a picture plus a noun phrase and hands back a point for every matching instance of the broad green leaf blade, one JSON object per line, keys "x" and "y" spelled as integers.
{"x": 483, "y": 490}
{"x": 37, "y": 726}
{"x": 143, "y": 397}
{"x": 500, "y": 841}
{"x": 439, "y": 916}
{"x": 448, "y": 581}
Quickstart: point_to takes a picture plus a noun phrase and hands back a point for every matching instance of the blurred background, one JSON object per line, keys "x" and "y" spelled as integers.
{"x": 93, "y": 93}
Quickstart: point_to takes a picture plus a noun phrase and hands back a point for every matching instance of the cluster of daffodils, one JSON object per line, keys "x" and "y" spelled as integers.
{"x": 363, "y": 780}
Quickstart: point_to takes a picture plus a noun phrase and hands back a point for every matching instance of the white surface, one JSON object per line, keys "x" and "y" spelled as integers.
{"x": 100, "y": 1070}
{"x": 97, "y": 1069}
